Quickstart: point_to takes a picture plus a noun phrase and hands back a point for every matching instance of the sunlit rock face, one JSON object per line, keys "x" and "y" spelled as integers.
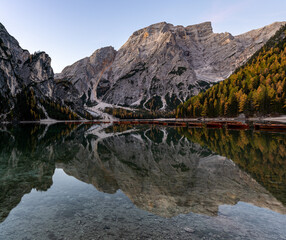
{"x": 164, "y": 64}
{"x": 86, "y": 73}
{"x": 157, "y": 68}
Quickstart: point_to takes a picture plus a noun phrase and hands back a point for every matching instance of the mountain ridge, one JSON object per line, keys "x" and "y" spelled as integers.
{"x": 256, "y": 88}
{"x": 157, "y": 68}
{"x": 162, "y": 65}
{"x": 27, "y": 87}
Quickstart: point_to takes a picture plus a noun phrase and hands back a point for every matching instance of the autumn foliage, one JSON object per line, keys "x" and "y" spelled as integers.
{"x": 257, "y": 88}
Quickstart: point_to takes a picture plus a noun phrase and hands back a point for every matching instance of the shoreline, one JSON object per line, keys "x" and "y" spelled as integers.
{"x": 280, "y": 119}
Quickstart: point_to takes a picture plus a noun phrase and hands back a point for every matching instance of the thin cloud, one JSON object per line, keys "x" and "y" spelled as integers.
{"x": 219, "y": 14}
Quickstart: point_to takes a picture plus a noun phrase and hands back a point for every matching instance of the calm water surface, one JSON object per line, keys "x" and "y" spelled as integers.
{"x": 136, "y": 182}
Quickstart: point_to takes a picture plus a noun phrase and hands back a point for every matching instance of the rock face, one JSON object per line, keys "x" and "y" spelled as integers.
{"x": 86, "y": 73}
{"x": 157, "y": 68}
{"x": 27, "y": 87}
{"x": 161, "y": 65}
{"x": 19, "y": 69}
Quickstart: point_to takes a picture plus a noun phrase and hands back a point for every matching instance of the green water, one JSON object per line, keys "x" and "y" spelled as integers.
{"x": 81, "y": 181}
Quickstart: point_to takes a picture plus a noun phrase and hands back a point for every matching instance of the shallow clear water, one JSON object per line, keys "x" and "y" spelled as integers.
{"x": 104, "y": 182}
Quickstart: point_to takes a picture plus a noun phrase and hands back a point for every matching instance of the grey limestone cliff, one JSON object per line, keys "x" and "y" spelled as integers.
{"x": 28, "y": 90}
{"x": 157, "y": 68}
{"x": 86, "y": 73}
{"x": 19, "y": 70}
{"x": 161, "y": 65}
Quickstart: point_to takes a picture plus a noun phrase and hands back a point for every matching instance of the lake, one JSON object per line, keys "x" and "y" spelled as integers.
{"x": 83, "y": 181}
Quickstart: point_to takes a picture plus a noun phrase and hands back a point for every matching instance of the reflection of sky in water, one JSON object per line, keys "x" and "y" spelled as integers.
{"x": 71, "y": 209}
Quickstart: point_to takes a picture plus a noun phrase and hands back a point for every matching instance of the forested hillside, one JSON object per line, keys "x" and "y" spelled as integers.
{"x": 257, "y": 88}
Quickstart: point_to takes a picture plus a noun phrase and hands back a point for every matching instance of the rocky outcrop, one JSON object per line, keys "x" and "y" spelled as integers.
{"x": 27, "y": 87}
{"x": 161, "y": 65}
{"x": 20, "y": 70}
{"x": 157, "y": 68}
{"x": 85, "y": 74}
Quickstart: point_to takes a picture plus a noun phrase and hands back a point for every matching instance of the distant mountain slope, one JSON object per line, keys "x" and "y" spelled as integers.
{"x": 161, "y": 65}
{"x": 259, "y": 87}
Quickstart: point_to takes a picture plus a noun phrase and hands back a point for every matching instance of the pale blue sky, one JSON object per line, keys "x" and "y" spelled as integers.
{"x": 69, "y": 30}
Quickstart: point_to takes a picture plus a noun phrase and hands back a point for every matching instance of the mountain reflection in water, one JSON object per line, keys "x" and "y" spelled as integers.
{"x": 165, "y": 171}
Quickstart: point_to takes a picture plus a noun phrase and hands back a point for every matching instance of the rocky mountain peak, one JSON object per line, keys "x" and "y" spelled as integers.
{"x": 101, "y": 54}
{"x": 3, "y": 29}
{"x": 161, "y": 65}
{"x": 22, "y": 73}
{"x": 154, "y": 28}
{"x": 157, "y": 68}
{"x": 200, "y": 30}
{"x": 85, "y": 74}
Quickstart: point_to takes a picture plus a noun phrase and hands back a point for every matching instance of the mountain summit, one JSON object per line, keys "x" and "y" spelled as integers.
{"x": 257, "y": 88}
{"x": 161, "y": 65}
